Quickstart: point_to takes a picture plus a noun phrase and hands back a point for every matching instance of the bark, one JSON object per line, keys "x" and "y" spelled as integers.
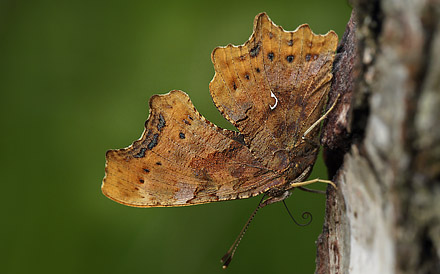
{"x": 382, "y": 143}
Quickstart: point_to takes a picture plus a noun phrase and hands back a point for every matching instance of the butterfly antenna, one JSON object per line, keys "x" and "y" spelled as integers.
{"x": 226, "y": 259}
{"x": 305, "y": 215}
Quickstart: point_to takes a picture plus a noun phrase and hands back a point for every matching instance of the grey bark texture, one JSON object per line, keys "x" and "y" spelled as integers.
{"x": 382, "y": 142}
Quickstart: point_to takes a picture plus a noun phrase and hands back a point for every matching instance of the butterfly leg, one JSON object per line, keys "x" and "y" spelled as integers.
{"x": 275, "y": 197}
{"x": 311, "y": 190}
{"x": 320, "y": 119}
{"x": 300, "y": 184}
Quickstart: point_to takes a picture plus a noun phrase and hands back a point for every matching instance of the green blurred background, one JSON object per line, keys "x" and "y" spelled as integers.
{"x": 75, "y": 79}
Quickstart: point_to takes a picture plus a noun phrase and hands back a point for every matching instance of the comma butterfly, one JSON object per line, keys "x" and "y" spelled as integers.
{"x": 273, "y": 89}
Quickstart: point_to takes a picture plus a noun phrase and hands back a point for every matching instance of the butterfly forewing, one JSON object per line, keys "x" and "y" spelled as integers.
{"x": 289, "y": 75}
{"x": 182, "y": 159}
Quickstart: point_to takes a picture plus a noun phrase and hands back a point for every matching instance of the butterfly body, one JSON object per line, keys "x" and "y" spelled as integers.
{"x": 272, "y": 89}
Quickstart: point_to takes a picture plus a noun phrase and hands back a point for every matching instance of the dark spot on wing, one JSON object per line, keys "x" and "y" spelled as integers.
{"x": 258, "y": 70}
{"x": 246, "y": 76}
{"x": 182, "y": 135}
{"x": 234, "y": 86}
{"x": 308, "y": 56}
{"x": 146, "y": 170}
{"x": 153, "y": 142}
{"x": 161, "y": 123}
{"x": 290, "y": 58}
{"x": 290, "y": 42}
{"x": 158, "y": 163}
{"x": 255, "y": 50}
{"x": 141, "y": 153}
{"x": 141, "y": 181}
{"x": 270, "y": 55}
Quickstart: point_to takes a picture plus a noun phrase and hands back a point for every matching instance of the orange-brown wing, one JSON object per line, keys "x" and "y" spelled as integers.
{"x": 182, "y": 159}
{"x": 274, "y": 87}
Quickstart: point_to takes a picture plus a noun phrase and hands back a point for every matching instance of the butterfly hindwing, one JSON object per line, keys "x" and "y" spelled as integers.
{"x": 182, "y": 159}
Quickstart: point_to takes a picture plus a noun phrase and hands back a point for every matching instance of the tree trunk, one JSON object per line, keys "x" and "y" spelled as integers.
{"x": 382, "y": 143}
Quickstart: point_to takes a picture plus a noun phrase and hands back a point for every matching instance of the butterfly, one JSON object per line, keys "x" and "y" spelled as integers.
{"x": 273, "y": 89}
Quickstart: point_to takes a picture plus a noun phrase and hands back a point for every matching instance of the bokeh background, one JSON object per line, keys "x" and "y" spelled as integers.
{"x": 75, "y": 79}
